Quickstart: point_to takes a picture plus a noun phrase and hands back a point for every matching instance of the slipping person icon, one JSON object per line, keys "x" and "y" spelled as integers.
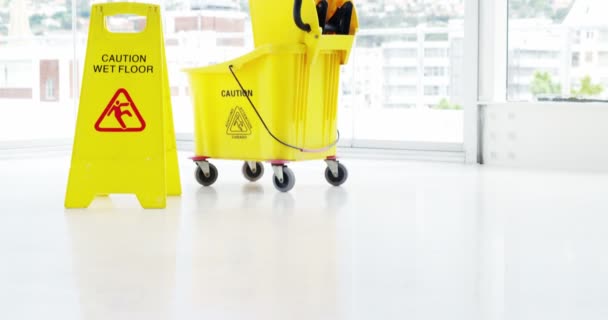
{"x": 118, "y": 113}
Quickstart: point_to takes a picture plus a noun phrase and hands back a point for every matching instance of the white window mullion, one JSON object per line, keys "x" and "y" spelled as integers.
{"x": 470, "y": 79}
{"x": 493, "y": 40}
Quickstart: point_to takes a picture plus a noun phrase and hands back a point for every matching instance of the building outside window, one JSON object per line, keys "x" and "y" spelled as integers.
{"x": 36, "y": 45}
{"x": 15, "y": 74}
{"x": 420, "y": 47}
{"x": 556, "y": 50}
{"x": 434, "y": 71}
{"x": 50, "y": 93}
{"x": 602, "y": 59}
{"x": 15, "y": 79}
{"x": 435, "y": 52}
{"x": 431, "y": 90}
{"x": 576, "y": 59}
{"x": 401, "y": 48}
{"x": 603, "y": 36}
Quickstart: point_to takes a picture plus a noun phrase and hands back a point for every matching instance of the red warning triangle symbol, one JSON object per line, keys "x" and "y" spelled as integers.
{"x": 121, "y": 115}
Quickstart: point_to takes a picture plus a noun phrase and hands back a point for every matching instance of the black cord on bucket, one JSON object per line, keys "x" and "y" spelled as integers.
{"x": 268, "y": 130}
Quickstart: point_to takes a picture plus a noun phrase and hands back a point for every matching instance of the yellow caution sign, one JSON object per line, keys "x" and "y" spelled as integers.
{"x": 125, "y": 140}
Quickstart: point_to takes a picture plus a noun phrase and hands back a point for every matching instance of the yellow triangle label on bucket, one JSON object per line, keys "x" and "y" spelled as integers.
{"x": 238, "y": 123}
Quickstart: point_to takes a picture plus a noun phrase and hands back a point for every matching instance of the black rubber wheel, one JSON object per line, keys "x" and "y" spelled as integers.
{"x": 250, "y": 175}
{"x": 202, "y": 179}
{"x": 289, "y": 180}
{"x": 340, "y": 179}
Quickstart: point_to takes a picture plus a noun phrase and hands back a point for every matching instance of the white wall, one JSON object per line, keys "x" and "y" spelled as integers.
{"x": 570, "y": 136}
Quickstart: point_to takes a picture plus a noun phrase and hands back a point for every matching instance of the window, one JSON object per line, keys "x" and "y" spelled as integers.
{"x": 49, "y": 78}
{"x": 391, "y": 53}
{"x": 15, "y": 79}
{"x": 50, "y": 89}
{"x": 439, "y": 37}
{"x": 576, "y": 37}
{"x": 556, "y": 50}
{"x": 602, "y": 59}
{"x": 431, "y": 90}
{"x": 401, "y": 106}
{"x": 435, "y": 52}
{"x": 402, "y": 91}
{"x": 15, "y": 74}
{"x": 37, "y": 45}
{"x": 382, "y": 88}
{"x": 603, "y": 36}
{"x": 576, "y": 59}
{"x": 434, "y": 71}
{"x": 420, "y": 65}
{"x": 396, "y": 75}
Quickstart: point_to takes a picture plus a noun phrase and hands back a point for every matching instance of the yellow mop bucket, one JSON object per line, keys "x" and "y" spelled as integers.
{"x": 277, "y": 103}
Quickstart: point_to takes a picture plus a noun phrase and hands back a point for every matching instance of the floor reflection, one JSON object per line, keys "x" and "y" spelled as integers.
{"x": 245, "y": 265}
{"x": 125, "y": 261}
{"x": 335, "y": 198}
{"x": 206, "y": 197}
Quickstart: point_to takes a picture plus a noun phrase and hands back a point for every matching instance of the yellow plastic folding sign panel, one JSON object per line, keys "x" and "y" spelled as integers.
{"x": 125, "y": 139}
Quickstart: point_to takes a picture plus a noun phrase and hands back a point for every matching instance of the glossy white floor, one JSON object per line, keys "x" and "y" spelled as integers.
{"x": 401, "y": 240}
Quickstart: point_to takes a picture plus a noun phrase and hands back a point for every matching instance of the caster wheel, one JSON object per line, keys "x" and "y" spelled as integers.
{"x": 289, "y": 180}
{"x": 206, "y": 180}
{"x": 340, "y": 179}
{"x": 250, "y": 175}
